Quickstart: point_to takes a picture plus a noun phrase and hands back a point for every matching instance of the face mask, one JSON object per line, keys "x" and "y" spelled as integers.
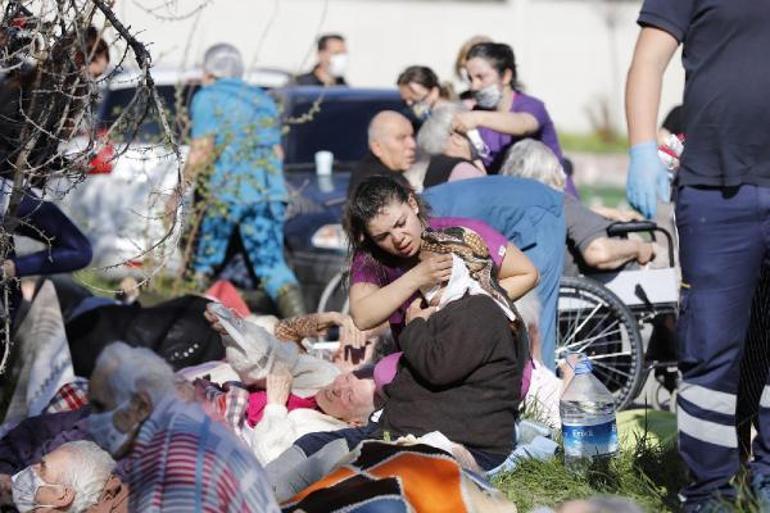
{"x": 338, "y": 64}
{"x": 488, "y": 97}
{"x": 421, "y": 110}
{"x": 103, "y": 431}
{"x": 24, "y": 488}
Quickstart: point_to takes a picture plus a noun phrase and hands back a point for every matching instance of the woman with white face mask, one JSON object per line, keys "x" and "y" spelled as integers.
{"x": 422, "y": 92}
{"x": 503, "y": 114}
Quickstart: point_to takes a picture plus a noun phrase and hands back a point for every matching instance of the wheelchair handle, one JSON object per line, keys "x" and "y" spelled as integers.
{"x": 622, "y": 229}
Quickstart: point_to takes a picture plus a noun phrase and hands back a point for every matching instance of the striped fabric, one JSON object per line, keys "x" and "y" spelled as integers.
{"x": 184, "y": 462}
{"x": 382, "y": 477}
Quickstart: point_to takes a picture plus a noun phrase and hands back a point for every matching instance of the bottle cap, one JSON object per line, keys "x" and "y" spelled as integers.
{"x": 583, "y": 366}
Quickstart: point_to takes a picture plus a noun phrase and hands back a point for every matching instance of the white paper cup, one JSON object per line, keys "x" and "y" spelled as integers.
{"x": 323, "y": 163}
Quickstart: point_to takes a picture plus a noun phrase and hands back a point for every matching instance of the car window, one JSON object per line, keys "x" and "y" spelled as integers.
{"x": 172, "y": 97}
{"x": 339, "y": 125}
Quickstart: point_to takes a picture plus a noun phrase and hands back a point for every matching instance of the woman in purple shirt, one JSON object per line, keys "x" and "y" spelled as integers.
{"x": 503, "y": 114}
{"x": 384, "y": 222}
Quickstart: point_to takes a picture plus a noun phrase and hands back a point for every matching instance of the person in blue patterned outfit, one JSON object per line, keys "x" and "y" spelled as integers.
{"x": 236, "y": 126}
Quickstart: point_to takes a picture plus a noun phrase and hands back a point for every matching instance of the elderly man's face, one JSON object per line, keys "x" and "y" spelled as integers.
{"x": 51, "y": 470}
{"x": 395, "y": 146}
{"x": 347, "y": 398}
{"x": 126, "y": 417}
{"x": 100, "y": 396}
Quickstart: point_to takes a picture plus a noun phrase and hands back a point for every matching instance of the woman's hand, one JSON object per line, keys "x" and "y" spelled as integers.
{"x": 416, "y": 311}
{"x": 465, "y": 121}
{"x": 433, "y": 269}
{"x": 278, "y": 385}
{"x": 349, "y": 334}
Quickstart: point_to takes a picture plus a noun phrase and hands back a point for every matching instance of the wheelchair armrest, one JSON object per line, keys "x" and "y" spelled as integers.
{"x": 621, "y": 229}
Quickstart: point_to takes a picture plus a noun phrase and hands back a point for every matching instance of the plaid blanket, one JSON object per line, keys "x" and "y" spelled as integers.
{"x": 227, "y": 403}
{"x": 380, "y": 477}
{"x": 70, "y": 397}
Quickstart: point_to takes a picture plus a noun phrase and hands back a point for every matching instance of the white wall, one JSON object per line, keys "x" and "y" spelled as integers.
{"x": 563, "y": 47}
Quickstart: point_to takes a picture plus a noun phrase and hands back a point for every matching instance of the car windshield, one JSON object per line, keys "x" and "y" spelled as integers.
{"x": 336, "y": 123}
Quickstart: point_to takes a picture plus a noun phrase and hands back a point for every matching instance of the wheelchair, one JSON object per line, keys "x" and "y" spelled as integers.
{"x": 600, "y": 315}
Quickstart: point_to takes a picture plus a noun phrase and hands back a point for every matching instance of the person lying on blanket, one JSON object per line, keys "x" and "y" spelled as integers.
{"x": 460, "y": 372}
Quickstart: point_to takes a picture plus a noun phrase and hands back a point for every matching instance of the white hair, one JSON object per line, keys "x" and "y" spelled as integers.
{"x": 223, "y": 60}
{"x": 132, "y": 369}
{"x": 88, "y": 468}
{"x": 434, "y": 133}
{"x": 529, "y": 308}
{"x": 532, "y": 159}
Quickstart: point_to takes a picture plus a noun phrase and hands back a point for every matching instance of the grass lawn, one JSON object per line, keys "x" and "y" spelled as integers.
{"x": 647, "y": 473}
{"x": 591, "y": 143}
{"x": 647, "y": 470}
{"x": 604, "y": 195}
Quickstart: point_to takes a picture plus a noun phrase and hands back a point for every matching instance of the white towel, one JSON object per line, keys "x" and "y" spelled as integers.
{"x": 459, "y": 284}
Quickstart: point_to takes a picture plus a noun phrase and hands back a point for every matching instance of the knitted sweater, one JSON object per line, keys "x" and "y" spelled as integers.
{"x": 461, "y": 375}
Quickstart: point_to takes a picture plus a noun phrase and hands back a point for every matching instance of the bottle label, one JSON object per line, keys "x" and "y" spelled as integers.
{"x": 582, "y": 441}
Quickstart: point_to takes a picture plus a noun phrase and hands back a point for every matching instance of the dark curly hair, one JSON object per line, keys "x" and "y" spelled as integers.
{"x": 368, "y": 199}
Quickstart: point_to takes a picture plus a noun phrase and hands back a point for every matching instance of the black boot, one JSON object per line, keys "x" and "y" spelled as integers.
{"x": 290, "y": 302}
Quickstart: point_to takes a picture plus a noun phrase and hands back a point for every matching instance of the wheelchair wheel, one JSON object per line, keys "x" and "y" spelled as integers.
{"x": 334, "y": 296}
{"x": 594, "y": 321}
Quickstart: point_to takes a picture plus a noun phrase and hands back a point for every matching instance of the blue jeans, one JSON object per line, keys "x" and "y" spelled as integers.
{"x": 261, "y": 228}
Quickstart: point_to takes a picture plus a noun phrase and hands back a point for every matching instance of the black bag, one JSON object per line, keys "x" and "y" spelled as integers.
{"x": 176, "y": 330}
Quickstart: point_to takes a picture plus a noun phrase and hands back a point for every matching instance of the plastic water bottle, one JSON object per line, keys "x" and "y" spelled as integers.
{"x": 587, "y": 409}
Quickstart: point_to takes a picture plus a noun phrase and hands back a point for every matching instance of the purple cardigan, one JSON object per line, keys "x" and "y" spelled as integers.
{"x": 35, "y": 437}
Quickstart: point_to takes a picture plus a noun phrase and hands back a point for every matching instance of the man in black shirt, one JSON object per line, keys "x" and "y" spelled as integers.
{"x": 331, "y": 66}
{"x": 391, "y": 149}
{"x": 722, "y": 214}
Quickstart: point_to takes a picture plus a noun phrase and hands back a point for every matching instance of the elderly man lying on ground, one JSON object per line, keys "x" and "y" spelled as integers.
{"x": 178, "y": 458}
{"x": 270, "y": 421}
{"x": 76, "y": 477}
{"x": 460, "y": 374}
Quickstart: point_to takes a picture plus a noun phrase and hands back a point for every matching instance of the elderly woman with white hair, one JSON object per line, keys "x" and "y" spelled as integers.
{"x": 74, "y": 477}
{"x": 452, "y": 155}
{"x": 589, "y": 248}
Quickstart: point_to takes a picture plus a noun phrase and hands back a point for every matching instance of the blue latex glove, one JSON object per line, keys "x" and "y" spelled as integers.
{"x": 646, "y": 176}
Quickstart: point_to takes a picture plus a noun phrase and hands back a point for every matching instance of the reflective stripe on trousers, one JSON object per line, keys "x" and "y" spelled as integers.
{"x": 724, "y": 238}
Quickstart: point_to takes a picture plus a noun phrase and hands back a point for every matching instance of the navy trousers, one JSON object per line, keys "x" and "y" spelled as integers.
{"x": 724, "y": 239}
